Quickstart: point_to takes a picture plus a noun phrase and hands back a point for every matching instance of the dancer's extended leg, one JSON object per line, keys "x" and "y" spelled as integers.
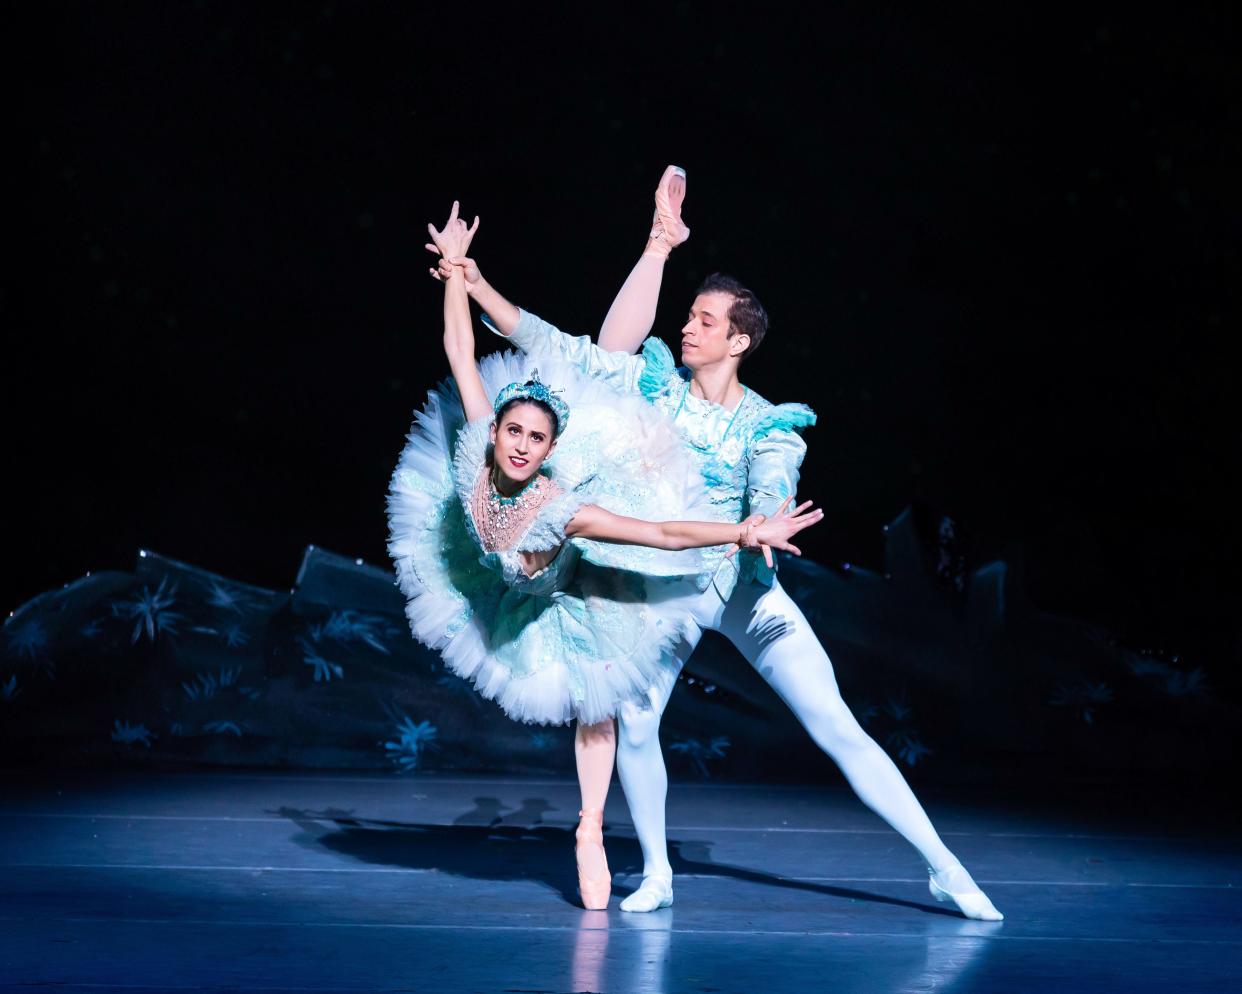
{"x": 641, "y": 765}
{"x": 633, "y": 312}
{"x": 771, "y": 632}
{"x": 595, "y": 748}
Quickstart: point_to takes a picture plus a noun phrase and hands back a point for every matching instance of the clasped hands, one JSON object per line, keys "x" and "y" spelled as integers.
{"x": 761, "y": 534}
{"x": 451, "y": 244}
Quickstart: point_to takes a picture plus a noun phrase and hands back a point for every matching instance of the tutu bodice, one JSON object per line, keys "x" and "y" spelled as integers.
{"x": 595, "y": 626}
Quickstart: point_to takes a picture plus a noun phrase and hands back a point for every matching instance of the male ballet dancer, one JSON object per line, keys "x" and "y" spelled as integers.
{"x": 750, "y": 451}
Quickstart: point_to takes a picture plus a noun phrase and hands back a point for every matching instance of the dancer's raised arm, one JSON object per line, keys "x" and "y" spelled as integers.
{"x": 535, "y": 336}
{"x": 452, "y": 242}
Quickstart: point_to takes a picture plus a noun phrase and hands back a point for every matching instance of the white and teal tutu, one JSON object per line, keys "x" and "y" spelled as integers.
{"x": 597, "y": 626}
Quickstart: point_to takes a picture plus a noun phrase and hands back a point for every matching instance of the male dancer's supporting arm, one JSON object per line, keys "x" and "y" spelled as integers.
{"x": 775, "y": 466}
{"x": 536, "y": 337}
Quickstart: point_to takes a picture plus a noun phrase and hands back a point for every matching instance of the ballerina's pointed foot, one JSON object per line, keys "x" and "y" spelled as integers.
{"x": 955, "y": 885}
{"x": 654, "y": 893}
{"x": 594, "y": 879}
{"x": 667, "y": 228}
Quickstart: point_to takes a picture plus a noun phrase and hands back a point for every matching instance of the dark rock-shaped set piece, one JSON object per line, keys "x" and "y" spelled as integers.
{"x": 948, "y": 667}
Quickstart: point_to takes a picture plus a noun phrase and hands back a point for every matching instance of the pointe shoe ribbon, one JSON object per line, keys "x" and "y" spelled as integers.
{"x": 595, "y": 890}
{"x": 667, "y": 228}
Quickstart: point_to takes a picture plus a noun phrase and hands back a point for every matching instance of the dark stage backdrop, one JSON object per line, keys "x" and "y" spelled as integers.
{"x": 999, "y": 251}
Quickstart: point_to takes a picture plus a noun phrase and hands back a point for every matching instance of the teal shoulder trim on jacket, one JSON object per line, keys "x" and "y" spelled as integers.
{"x": 784, "y": 417}
{"x": 658, "y": 366}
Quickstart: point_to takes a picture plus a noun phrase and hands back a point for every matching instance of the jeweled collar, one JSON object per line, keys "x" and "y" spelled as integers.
{"x": 528, "y": 489}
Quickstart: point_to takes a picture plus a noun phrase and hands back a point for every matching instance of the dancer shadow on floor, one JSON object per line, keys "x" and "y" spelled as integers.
{"x": 542, "y": 853}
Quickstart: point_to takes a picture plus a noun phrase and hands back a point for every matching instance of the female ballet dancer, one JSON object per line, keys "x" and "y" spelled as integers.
{"x": 575, "y": 605}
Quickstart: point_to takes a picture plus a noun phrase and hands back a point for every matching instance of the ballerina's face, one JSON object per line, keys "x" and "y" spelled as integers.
{"x": 705, "y": 337}
{"x": 523, "y": 437}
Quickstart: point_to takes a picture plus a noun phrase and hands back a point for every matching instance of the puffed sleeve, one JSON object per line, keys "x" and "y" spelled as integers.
{"x": 622, "y": 371}
{"x": 776, "y": 456}
{"x": 548, "y": 529}
{"x": 469, "y": 454}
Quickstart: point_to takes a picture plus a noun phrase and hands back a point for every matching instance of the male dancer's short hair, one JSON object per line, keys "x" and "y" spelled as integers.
{"x": 746, "y": 315}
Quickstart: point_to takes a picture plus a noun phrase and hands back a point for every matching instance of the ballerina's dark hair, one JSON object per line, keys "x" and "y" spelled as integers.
{"x": 746, "y": 315}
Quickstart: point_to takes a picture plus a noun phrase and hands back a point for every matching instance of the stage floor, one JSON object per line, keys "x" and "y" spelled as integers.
{"x": 320, "y": 882}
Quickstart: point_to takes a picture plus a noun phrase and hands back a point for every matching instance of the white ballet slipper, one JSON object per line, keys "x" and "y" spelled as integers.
{"x": 954, "y": 885}
{"x": 654, "y": 893}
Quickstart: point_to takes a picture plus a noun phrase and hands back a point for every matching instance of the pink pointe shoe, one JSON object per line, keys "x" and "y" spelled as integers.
{"x": 667, "y": 228}
{"x": 595, "y": 890}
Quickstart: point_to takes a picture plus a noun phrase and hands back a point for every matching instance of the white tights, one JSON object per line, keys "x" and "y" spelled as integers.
{"x": 771, "y": 632}
{"x": 633, "y": 312}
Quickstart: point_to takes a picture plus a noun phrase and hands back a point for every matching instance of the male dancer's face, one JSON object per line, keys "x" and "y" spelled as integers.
{"x": 705, "y": 337}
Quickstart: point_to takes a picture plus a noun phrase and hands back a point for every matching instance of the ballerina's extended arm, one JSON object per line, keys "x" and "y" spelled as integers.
{"x": 453, "y": 241}
{"x": 754, "y": 533}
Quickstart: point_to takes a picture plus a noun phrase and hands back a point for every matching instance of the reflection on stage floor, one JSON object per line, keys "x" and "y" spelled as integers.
{"x": 308, "y": 882}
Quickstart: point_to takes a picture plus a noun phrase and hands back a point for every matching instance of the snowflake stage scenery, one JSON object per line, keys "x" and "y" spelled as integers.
{"x": 74, "y": 684}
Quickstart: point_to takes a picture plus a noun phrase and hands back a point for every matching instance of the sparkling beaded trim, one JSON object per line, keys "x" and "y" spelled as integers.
{"x": 500, "y": 520}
